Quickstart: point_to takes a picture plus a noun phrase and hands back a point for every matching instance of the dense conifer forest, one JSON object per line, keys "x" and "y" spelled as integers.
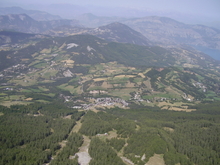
{"x": 32, "y": 134}
{"x": 30, "y": 137}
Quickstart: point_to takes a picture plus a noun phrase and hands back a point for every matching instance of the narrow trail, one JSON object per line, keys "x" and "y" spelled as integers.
{"x": 77, "y": 127}
{"x": 123, "y": 158}
{"x": 83, "y": 155}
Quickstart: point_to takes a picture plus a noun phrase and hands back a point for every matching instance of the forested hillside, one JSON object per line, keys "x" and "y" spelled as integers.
{"x": 41, "y": 133}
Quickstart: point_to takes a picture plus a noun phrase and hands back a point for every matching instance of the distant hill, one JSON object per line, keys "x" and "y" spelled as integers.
{"x": 118, "y": 32}
{"x": 115, "y": 32}
{"x": 162, "y": 30}
{"x": 10, "y": 37}
{"x": 35, "y": 14}
{"x": 166, "y": 31}
{"x": 88, "y": 49}
{"x": 24, "y": 23}
{"x": 92, "y": 21}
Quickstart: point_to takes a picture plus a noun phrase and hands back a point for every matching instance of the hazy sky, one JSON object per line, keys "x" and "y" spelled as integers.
{"x": 201, "y": 7}
{"x": 179, "y": 5}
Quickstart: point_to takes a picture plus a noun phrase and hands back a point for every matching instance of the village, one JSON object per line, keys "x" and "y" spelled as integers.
{"x": 12, "y": 70}
{"x": 97, "y": 102}
{"x": 200, "y": 85}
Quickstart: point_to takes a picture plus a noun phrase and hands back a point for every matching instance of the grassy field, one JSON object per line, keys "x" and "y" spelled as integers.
{"x": 9, "y": 103}
{"x": 176, "y": 106}
{"x": 117, "y": 80}
{"x": 123, "y": 93}
{"x": 71, "y": 89}
{"x": 46, "y": 51}
{"x": 159, "y": 95}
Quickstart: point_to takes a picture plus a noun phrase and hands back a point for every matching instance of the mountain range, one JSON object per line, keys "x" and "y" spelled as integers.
{"x": 163, "y": 30}
{"x": 24, "y": 23}
{"x": 115, "y": 32}
{"x": 159, "y": 30}
{"x": 35, "y": 14}
{"x": 167, "y": 31}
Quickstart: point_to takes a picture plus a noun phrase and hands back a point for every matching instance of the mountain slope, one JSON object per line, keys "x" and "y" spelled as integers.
{"x": 35, "y": 14}
{"x": 10, "y": 37}
{"x": 167, "y": 31}
{"x": 115, "y": 32}
{"x": 118, "y": 32}
{"x": 87, "y": 49}
{"x": 82, "y": 66}
{"x": 163, "y": 30}
{"x": 24, "y": 23}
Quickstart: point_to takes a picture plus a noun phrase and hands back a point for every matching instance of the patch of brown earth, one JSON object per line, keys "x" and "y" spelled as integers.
{"x": 156, "y": 160}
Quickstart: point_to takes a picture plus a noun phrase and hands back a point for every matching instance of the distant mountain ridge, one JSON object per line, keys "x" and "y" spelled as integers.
{"x": 118, "y": 32}
{"x": 10, "y": 37}
{"x": 114, "y": 32}
{"x": 167, "y": 31}
{"x": 92, "y": 21}
{"x": 35, "y": 14}
{"x": 162, "y": 30}
{"x": 24, "y": 23}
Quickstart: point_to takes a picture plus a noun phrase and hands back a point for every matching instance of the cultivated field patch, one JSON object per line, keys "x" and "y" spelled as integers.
{"x": 100, "y": 79}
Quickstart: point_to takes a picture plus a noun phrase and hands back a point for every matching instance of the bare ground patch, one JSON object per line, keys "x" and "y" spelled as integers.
{"x": 156, "y": 160}
{"x": 29, "y": 99}
{"x": 84, "y": 157}
{"x": 142, "y": 75}
{"x": 67, "y": 117}
{"x": 168, "y": 129}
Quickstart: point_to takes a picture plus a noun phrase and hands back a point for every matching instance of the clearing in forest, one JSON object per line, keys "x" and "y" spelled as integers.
{"x": 156, "y": 160}
{"x": 77, "y": 126}
{"x": 83, "y": 154}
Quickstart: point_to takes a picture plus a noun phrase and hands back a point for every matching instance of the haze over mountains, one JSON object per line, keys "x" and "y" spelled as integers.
{"x": 159, "y": 30}
{"x": 24, "y": 23}
{"x": 35, "y": 14}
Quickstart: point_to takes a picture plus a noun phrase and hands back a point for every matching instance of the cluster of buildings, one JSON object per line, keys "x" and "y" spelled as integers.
{"x": 94, "y": 102}
{"x": 200, "y": 85}
{"x": 137, "y": 97}
{"x": 186, "y": 97}
{"x": 13, "y": 69}
{"x": 103, "y": 102}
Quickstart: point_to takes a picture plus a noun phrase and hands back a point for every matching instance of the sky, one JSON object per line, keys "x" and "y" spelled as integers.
{"x": 199, "y": 6}
{"x": 210, "y": 8}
